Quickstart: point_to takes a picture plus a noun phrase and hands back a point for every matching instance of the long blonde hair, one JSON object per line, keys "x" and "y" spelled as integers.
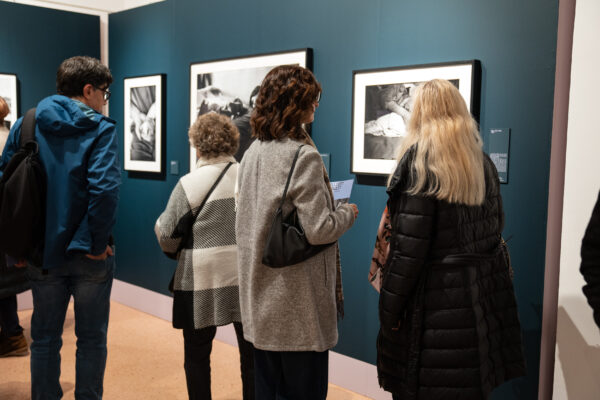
{"x": 448, "y": 158}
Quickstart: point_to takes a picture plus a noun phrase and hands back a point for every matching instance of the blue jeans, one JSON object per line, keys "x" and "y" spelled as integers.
{"x": 89, "y": 282}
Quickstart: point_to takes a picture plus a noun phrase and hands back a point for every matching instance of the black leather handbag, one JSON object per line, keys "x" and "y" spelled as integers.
{"x": 286, "y": 243}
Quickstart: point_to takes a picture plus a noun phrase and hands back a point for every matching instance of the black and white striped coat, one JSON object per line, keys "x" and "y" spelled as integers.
{"x": 206, "y": 280}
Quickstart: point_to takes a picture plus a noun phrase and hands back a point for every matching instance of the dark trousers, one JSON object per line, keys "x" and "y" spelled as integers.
{"x": 197, "y": 348}
{"x": 9, "y": 319}
{"x": 291, "y": 375}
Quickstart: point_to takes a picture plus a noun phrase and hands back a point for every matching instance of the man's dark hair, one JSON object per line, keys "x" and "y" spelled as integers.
{"x": 253, "y": 94}
{"x": 76, "y": 72}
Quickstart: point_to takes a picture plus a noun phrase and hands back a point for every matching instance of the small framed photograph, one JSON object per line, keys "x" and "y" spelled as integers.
{"x": 144, "y": 116}
{"x": 230, "y": 86}
{"x": 9, "y": 90}
{"x": 381, "y": 105}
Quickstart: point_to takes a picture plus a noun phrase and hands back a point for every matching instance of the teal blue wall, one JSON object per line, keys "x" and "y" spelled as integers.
{"x": 514, "y": 39}
{"x": 36, "y": 40}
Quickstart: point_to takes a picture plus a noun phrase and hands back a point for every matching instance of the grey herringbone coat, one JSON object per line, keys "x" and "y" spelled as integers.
{"x": 205, "y": 283}
{"x": 291, "y": 308}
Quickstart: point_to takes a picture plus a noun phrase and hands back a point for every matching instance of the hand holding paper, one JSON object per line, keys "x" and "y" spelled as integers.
{"x": 342, "y": 190}
{"x": 341, "y": 193}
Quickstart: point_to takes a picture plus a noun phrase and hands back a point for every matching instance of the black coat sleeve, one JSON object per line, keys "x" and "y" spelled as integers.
{"x": 412, "y": 229}
{"x": 590, "y": 261}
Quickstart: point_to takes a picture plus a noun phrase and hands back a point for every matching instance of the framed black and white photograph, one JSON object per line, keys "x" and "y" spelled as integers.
{"x": 381, "y": 104}
{"x": 230, "y": 86}
{"x": 143, "y": 137}
{"x": 9, "y": 92}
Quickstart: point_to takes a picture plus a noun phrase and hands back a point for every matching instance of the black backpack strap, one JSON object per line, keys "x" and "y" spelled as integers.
{"x": 28, "y": 128}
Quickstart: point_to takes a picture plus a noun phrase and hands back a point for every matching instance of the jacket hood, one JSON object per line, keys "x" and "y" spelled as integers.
{"x": 62, "y": 116}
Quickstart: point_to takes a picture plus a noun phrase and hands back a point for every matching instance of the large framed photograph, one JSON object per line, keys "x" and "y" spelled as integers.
{"x": 144, "y": 113}
{"x": 230, "y": 86}
{"x": 9, "y": 92}
{"x": 381, "y": 105}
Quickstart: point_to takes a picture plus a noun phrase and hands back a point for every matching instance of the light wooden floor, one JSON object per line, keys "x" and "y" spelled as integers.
{"x": 145, "y": 361}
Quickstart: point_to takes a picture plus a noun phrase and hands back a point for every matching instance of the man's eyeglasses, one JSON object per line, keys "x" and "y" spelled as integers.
{"x": 318, "y": 99}
{"x": 106, "y": 93}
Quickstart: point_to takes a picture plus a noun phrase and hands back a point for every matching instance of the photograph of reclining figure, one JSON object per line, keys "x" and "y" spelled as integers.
{"x": 230, "y": 86}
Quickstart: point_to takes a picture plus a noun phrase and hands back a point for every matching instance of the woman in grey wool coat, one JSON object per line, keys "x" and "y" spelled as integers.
{"x": 289, "y": 314}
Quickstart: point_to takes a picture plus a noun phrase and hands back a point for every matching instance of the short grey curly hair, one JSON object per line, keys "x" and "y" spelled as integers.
{"x": 214, "y": 135}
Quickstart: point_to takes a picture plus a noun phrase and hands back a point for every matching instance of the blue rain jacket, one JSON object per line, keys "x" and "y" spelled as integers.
{"x": 79, "y": 151}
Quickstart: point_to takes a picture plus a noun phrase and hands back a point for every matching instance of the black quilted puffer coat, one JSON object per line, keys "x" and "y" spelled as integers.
{"x": 449, "y": 323}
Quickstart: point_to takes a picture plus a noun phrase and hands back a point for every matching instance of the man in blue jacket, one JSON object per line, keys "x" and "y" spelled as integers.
{"x": 78, "y": 149}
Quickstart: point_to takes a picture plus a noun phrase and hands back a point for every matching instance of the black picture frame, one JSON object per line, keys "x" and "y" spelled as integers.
{"x": 9, "y": 90}
{"x": 381, "y": 103}
{"x": 144, "y": 123}
{"x": 228, "y": 86}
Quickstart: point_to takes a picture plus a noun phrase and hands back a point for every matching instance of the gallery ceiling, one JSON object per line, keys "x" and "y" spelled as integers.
{"x": 91, "y": 6}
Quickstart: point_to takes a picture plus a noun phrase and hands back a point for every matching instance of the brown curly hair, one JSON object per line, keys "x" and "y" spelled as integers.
{"x": 4, "y": 110}
{"x": 214, "y": 135}
{"x": 287, "y": 93}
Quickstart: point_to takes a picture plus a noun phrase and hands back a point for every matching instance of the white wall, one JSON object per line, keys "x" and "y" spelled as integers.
{"x": 127, "y": 4}
{"x": 577, "y": 358}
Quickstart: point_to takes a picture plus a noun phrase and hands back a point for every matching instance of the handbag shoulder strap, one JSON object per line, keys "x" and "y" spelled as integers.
{"x": 289, "y": 178}
{"x": 212, "y": 189}
{"x": 186, "y": 237}
{"x": 188, "y": 232}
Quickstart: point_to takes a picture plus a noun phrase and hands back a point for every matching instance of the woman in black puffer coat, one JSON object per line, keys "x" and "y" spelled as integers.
{"x": 449, "y": 323}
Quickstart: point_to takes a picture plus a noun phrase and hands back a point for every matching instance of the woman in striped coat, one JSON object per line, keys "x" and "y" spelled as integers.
{"x": 198, "y": 229}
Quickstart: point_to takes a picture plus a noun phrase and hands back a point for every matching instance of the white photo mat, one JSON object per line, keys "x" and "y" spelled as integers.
{"x": 9, "y": 91}
{"x": 462, "y": 72}
{"x": 131, "y": 84}
{"x": 269, "y": 61}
